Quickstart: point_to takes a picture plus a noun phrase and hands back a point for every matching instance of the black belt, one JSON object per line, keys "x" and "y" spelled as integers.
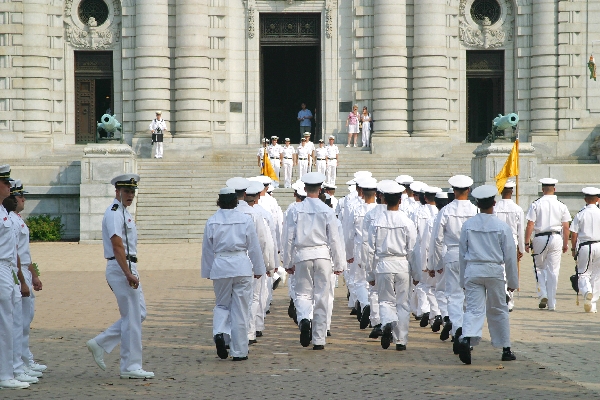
{"x": 334, "y": 158}
{"x": 273, "y": 158}
{"x": 287, "y": 158}
{"x": 133, "y": 259}
{"x": 300, "y": 158}
{"x": 588, "y": 243}
{"x": 321, "y": 159}
{"x": 547, "y": 234}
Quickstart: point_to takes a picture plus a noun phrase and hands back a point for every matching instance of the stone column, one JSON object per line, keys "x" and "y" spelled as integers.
{"x": 544, "y": 69}
{"x": 192, "y": 69}
{"x": 152, "y": 75}
{"x": 389, "y": 68}
{"x": 430, "y": 68}
{"x": 35, "y": 69}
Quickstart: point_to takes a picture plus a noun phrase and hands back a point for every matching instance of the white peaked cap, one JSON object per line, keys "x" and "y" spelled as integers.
{"x": 460, "y": 181}
{"x": 238, "y": 183}
{"x": 591, "y": 191}
{"x": 485, "y": 192}
{"x": 404, "y": 180}
{"x": 548, "y": 181}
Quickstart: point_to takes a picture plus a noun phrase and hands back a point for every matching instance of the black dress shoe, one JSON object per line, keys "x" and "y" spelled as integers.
{"x": 445, "y": 334}
{"x": 465, "y": 350}
{"x": 348, "y": 295}
{"x": 400, "y": 347}
{"x": 437, "y": 323}
{"x": 259, "y": 334}
{"x": 291, "y": 309}
{"x": 252, "y": 341}
{"x": 508, "y": 355}
{"x": 328, "y": 333}
{"x": 268, "y": 312}
{"x": 354, "y": 311}
{"x": 424, "y": 320}
{"x": 305, "y": 332}
{"x": 318, "y": 347}
{"x": 220, "y": 343}
{"x": 358, "y": 310}
{"x": 364, "y": 320}
{"x": 276, "y": 283}
{"x": 456, "y": 344}
{"x": 376, "y": 332}
{"x": 386, "y": 336}
{"x": 240, "y": 358}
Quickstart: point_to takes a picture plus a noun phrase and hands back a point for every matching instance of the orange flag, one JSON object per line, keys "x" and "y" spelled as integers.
{"x": 511, "y": 167}
{"x": 267, "y": 168}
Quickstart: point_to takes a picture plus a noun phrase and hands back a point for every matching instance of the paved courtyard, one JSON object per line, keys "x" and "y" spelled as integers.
{"x": 557, "y": 351}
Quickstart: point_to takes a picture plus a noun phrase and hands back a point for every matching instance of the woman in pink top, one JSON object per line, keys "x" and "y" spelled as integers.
{"x": 352, "y": 124}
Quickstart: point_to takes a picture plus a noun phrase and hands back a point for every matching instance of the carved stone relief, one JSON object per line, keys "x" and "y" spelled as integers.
{"x": 88, "y": 34}
{"x": 250, "y": 12}
{"x": 484, "y": 33}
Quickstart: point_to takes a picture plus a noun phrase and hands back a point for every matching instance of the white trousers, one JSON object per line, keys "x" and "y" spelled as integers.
{"x": 276, "y": 167}
{"x": 413, "y": 299}
{"x": 374, "y": 303}
{"x": 440, "y": 294}
{"x": 393, "y": 291}
{"x": 28, "y": 304}
{"x": 361, "y": 286}
{"x": 302, "y": 168}
{"x": 233, "y": 297}
{"x": 350, "y": 283}
{"x": 331, "y": 298}
{"x": 158, "y": 150}
{"x": 486, "y": 297}
{"x": 330, "y": 175}
{"x": 322, "y": 166}
{"x": 287, "y": 173}
{"x": 426, "y": 296}
{"x": 18, "y": 365}
{"x": 128, "y": 329}
{"x": 291, "y": 279}
{"x": 455, "y": 295}
{"x": 589, "y": 278}
{"x": 256, "y": 321}
{"x": 312, "y": 295}
{"x": 7, "y": 302}
{"x": 366, "y": 135}
{"x": 548, "y": 266}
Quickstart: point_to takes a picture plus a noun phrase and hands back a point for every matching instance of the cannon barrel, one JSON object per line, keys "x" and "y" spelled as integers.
{"x": 109, "y": 123}
{"x": 502, "y": 122}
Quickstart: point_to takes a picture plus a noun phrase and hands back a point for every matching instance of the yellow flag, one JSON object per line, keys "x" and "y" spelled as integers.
{"x": 267, "y": 168}
{"x": 511, "y": 167}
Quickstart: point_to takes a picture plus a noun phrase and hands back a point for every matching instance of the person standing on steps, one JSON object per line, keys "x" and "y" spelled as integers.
{"x": 304, "y": 117}
{"x": 333, "y": 161}
{"x": 287, "y": 159}
{"x": 158, "y": 127}
{"x": 365, "y": 119}
{"x": 320, "y": 158}
{"x": 352, "y": 125}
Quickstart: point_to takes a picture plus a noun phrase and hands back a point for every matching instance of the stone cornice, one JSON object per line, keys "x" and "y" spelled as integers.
{"x": 502, "y": 148}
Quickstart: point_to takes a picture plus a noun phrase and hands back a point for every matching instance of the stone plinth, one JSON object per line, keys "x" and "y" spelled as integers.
{"x": 100, "y": 163}
{"x": 489, "y": 160}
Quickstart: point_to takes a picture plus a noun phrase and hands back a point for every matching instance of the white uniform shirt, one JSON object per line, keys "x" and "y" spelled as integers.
{"x": 112, "y": 224}
{"x": 392, "y": 241}
{"x": 310, "y": 146}
{"x": 366, "y": 252}
{"x": 509, "y": 212}
{"x": 334, "y": 203}
{"x": 8, "y": 240}
{"x": 272, "y": 227}
{"x": 446, "y": 231}
{"x": 486, "y": 243}
{"x": 275, "y": 222}
{"x": 303, "y": 152}
{"x": 332, "y": 151}
{"x": 22, "y": 240}
{"x": 355, "y": 239}
{"x": 261, "y": 153}
{"x": 288, "y": 153}
{"x": 312, "y": 233}
{"x": 321, "y": 153}
{"x": 548, "y": 214}
{"x": 158, "y": 123}
{"x": 263, "y": 234}
{"x": 420, "y": 218}
{"x": 230, "y": 247}
{"x": 425, "y": 249}
{"x": 274, "y": 150}
{"x": 587, "y": 224}
{"x": 409, "y": 206}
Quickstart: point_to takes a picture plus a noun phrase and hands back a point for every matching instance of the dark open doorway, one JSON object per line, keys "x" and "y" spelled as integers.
{"x": 290, "y": 77}
{"x": 485, "y": 92}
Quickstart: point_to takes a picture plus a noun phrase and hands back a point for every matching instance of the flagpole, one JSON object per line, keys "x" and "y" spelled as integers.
{"x": 517, "y": 201}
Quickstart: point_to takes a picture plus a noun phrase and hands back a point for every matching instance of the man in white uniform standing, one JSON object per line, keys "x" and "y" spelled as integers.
{"x": 585, "y": 248}
{"x": 487, "y": 254}
{"x": 274, "y": 151}
{"x": 119, "y": 238}
{"x": 549, "y": 219}
{"x": 158, "y": 127}
{"x": 288, "y": 160}
{"x": 320, "y": 158}
{"x": 312, "y": 244}
{"x": 333, "y": 160}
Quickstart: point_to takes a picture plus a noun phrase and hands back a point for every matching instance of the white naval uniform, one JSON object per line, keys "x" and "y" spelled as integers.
{"x": 446, "y": 236}
{"x": 487, "y": 253}
{"x": 313, "y": 242}
{"x": 274, "y": 152}
{"x": 18, "y": 364}
{"x": 352, "y": 202}
{"x": 439, "y": 281}
{"x": 288, "y": 164}
{"x": 509, "y": 212}
{"x": 332, "y": 153}
{"x": 391, "y": 241}
{"x": 265, "y": 209}
{"x": 547, "y": 213}
{"x": 158, "y": 146}
{"x": 291, "y": 280}
{"x": 367, "y": 258}
{"x": 265, "y": 240}
{"x": 587, "y": 226}
{"x": 231, "y": 256}
{"x": 132, "y": 306}
{"x": 333, "y": 281}
{"x": 311, "y": 147}
{"x": 261, "y": 154}
{"x": 321, "y": 161}
{"x": 409, "y": 205}
{"x": 425, "y": 289}
{"x": 8, "y": 294}
{"x": 303, "y": 154}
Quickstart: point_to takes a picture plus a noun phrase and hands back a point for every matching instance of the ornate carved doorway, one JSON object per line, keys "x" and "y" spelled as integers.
{"x": 290, "y": 52}
{"x": 93, "y": 92}
{"x": 485, "y": 91}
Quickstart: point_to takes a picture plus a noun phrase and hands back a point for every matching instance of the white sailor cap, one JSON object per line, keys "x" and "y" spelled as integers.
{"x": 327, "y": 197}
{"x": 301, "y": 192}
{"x": 460, "y": 181}
{"x": 591, "y": 191}
{"x": 362, "y": 174}
{"x": 431, "y": 189}
{"x": 270, "y": 188}
{"x": 287, "y": 139}
{"x": 548, "y": 181}
{"x": 303, "y": 140}
{"x": 391, "y": 187}
{"x": 417, "y": 186}
{"x": 296, "y": 186}
{"x": 441, "y": 195}
{"x": 265, "y": 180}
{"x": 451, "y": 190}
{"x": 382, "y": 184}
{"x": 404, "y": 180}
{"x": 265, "y": 140}
{"x": 5, "y": 172}
{"x": 16, "y": 188}
{"x": 331, "y": 137}
{"x": 485, "y": 192}
{"x": 238, "y": 183}
{"x": 306, "y": 133}
{"x": 274, "y": 137}
{"x": 254, "y": 188}
{"x": 226, "y": 190}
{"x": 367, "y": 183}
{"x": 351, "y": 182}
{"x": 158, "y": 112}
{"x": 320, "y": 140}
{"x": 510, "y": 184}
{"x": 329, "y": 186}
{"x": 126, "y": 180}
{"x": 313, "y": 178}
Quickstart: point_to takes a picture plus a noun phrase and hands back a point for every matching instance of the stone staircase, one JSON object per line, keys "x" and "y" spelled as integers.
{"x": 176, "y": 197}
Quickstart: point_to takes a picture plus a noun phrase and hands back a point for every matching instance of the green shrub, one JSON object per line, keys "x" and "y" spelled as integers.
{"x": 45, "y": 228}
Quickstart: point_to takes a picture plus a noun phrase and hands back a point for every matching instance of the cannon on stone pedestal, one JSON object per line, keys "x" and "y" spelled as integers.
{"x": 107, "y": 127}
{"x": 499, "y": 124}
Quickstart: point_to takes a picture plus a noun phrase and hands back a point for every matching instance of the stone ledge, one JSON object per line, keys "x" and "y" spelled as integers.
{"x": 108, "y": 149}
{"x": 502, "y": 148}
